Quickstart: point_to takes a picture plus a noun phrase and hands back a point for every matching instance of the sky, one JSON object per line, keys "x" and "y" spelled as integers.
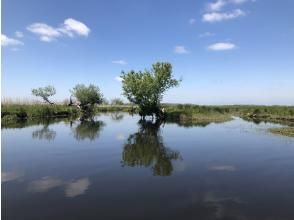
{"x": 225, "y": 51}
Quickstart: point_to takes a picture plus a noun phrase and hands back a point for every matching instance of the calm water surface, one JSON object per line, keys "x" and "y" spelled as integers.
{"x": 116, "y": 167}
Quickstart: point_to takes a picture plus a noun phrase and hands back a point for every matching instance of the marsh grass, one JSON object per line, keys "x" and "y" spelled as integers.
{"x": 22, "y": 111}
{"x": 286, "y": 131}
{"x": 185, "y": 115}
{"x": 275, "y": 114}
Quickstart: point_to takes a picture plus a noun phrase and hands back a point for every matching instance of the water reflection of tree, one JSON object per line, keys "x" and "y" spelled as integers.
{"x": 44, "y": 133}
{"x": 88, "y": 129}
{"x": 117, "y": 116}
{"x": 146, "y": 148}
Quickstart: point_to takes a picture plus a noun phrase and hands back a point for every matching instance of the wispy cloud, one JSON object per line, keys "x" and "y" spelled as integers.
{"x": 222, "y": 46}
{"x": 70, "y": 28}
{"x": 120, "y": 62}
{"x": 181, "y": 50}
{"x": 213, "y": 17}
{"x": 7, "y": 41}
{"x": 206, "y": 34}
{"x": 118, "y": 78}
{"x": 218, "y": 5}
{"x": 192, "y": 21}
{"x": 18, "y": 34}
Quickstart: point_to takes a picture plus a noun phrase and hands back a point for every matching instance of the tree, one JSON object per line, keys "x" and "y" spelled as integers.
{"x": 87, "y": 95}
{"x": 44, "y": 93}
{"x": 146, "y": 88}
{"x": 117, "y": 101}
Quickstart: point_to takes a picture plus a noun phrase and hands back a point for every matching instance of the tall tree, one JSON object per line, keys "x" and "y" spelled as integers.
{"x": 146, "y": 88}
{"x": 87, "y": 95}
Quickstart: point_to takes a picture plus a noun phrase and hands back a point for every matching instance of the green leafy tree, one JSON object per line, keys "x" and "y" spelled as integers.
{"x": 146, "y": 88}
{"x": 44, "y": 93}
{"x": 87, "y": 95}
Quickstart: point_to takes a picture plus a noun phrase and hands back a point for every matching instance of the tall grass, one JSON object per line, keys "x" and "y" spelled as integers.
{"x": 37, "y": 110}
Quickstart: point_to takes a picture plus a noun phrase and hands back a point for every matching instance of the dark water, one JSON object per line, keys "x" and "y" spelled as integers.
{"x": 117, "y": 168}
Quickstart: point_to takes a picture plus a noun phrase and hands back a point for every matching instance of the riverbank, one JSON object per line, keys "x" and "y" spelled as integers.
{"x": 184, "y": 115}
{"x": 285, "y": 131}
{"x": 15, "y": 111}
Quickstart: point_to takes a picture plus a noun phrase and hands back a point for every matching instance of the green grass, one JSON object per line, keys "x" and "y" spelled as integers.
{"x": 275, "y": 114}
{"x": 22, "y": 111}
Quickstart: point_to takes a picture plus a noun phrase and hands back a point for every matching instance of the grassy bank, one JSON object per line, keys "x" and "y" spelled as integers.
{"x": 23, "y": 111}
{"x": 286, "y": 131}
{"x": 276, "y": 114}
{"x": 185, "y": 115}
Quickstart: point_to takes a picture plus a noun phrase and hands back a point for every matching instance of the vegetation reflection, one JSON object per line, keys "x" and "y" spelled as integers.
{"x": 117, "y": 116}
{"x": 44, "y": 133}
{"x": 88, "y": 129}
{"x": 146, "y": 148}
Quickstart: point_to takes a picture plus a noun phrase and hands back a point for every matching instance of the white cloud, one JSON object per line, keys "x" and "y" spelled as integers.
{"x": 19, "y": 34}
{"x": 216, "y": 6}
{"x": 207, "y": 34}
{"x": 44, "y": 31}
{"x": 6, "y": 41}
{"x": 192, "y": 21}
{"x": 78, "y": 27}
{"x": 70, "y": 28}
{"x": 181, "y": 50}
{"x": 118, "y": 78}
{"x": 217, "y": 16}
{"x": 120, "y": 62}
{"x": 222, "y": 46}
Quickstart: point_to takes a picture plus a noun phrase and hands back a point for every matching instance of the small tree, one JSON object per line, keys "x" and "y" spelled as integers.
{"x": 87, "y": 95}
{"x": 44, "y": 93}
{"x": 117, "y": 101}
{"x": 146, "y": 88}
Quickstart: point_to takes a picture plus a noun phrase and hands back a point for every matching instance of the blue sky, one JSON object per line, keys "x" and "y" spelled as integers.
{"x": 226, "y": 51}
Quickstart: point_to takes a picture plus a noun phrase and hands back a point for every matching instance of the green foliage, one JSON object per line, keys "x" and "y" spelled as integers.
{"x": 87, "y": 95}
{"x": 146, "y": 88}
{"x": 44, "y": 93}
